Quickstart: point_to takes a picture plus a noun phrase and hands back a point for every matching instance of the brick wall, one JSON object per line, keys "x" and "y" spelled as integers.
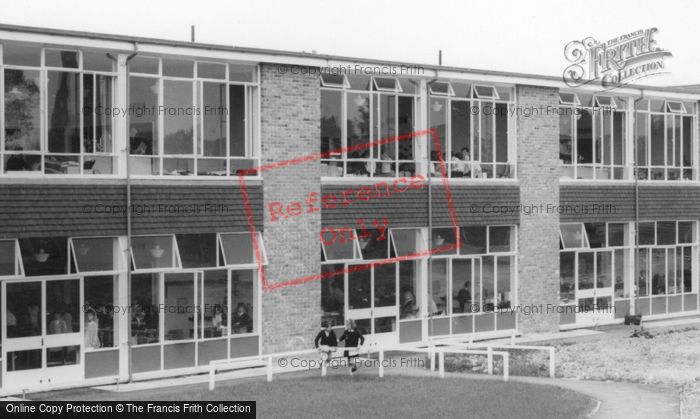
{"x": 538, "y": 238}
{"x": 290, "y": 128}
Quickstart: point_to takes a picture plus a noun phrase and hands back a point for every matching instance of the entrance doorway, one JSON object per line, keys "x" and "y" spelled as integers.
{"x": 372, "y": 301}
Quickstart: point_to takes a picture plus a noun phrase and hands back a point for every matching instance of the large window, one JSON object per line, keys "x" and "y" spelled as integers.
{"x": 665, "y": 134}
{"x": 192, "y": 118}
{"x": 359, "y": 111}
{"x": 592, "y": 136}
{"x": 57, "y": 115}
{"x": 474, "y": 125}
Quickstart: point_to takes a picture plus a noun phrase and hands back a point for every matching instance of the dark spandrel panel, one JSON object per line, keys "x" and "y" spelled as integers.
{"x": 197, "y": 250}
{"x": 44, "y": 256}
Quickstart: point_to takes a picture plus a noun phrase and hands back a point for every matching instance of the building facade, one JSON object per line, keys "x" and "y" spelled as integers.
{"x": 165, "y": 204}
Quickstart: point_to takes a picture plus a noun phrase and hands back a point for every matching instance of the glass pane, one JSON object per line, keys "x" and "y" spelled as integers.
{"x": 622, "y": 289}
{"x": 585, "y": 271}
{"x": 619, "y": 119}
{"x": 658, "y": 271}
{"x": 62, "y": 306}
{"x": 333, "y": 295}
{"x": 177, "y": 119}
{"x": 685, "y": 231}
{"x": 44, "y": 256}
{"x": 331, "y": 120}
{"x": 24, "y": 360}
{"x": 505, "y": 278}
{"x": 97, "y": 61}
{"x": 151, "y": 252}
{"x": 488, "y": 290}
{"x": 364, "y": 326}
{"x": 406, "y": 126}
{"x": 407, "y": 241}
{"x": 596, "y": 234}
{"x": 63, "y": 98}
{"x": 243, "y": 299}
{"x": 500, "y": 239}
{"x": 8, "y": 258}
{"x": 214, "y": 117}
{"x": 245, "y": 73}
{"x": 617, "y": 233}
{"x": 687, "y": 269}
{"x": 215, "y": 312}
{"x": 445, "y": 240}
{"x": 687, "y": 141}
{"x": 657, "y": 140}
{"x": 238, "y": 248}
{"x": 571, "y": 235}
{"x": 211, "y": 70}
{"x": 97, "y": 122}
{"x": 385, "y": 285}
{"x": 179, "y": 306}
{"x": 473, "y": 240}
{"x": 360, "y": 288}
{"x": 460, "y": 138}
{"x": 604, "y": 269}
{"x": 665, "y": 232}
{"x": 385, "y": 324}
{"x": 197, "y": 250}
{"x": 143, "y": 121}
{"x": 567, "y": 291}
{"x": 501, "y": 132}
{"x": 408, "y": 287}
{"x": 374, "y": 244}
{"x": 584, "y": 137}
{"x": 145, "y": 302}
{"x": 98, "y": 254}
{"x": 339, "y": 244}
{"x": 462, "y": 286}
{"x": 641, "y": 130}
{"x": 178, "y": 68}
{"x": 646, "y": 233}
{"x": 438, "y": 288}
{"x": 56, "y": 58}
{"x": 144, "y": 65}
{"x": 358, "y": 124}
{"x": 99, "y": 312}
{"x": 17, "y": 54}
{"x": 23, "y": 309}
{"x": 22, "y": 115}
{"x": 236, "y": 107}
{"x": 60, "y": 356}
{"x": 643, "y": 278}
{"x": 565, "y": 136}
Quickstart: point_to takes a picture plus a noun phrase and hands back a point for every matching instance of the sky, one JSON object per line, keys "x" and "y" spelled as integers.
{"x": 518, "y": 36}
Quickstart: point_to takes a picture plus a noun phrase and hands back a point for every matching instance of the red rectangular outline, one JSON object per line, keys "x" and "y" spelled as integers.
{"x": 317, "y": 156}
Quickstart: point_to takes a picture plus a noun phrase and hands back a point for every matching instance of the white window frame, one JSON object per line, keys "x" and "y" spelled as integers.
{"x": 220, "y": 247}
{"x": 574, "y": 102}
{"x": 449, "y": 91}
{"x": 345, "y": 84}
{"x": 477, "y": 95}
{"x": 421, "y": 242}
{"x": 120, "y": 262}
{"x": 584, "y": 237}
{"x": 356, "y": 250}
{"x": 397, "y": 84}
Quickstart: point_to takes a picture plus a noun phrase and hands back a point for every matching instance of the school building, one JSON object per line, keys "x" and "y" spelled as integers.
{"x": 167, "y": 203}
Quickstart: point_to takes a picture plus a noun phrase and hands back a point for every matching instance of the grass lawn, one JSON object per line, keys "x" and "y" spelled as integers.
{"x": 369, "y": 396}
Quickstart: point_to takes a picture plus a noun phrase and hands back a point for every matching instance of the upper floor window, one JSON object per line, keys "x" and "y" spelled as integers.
{"x": 56, "y": 111}
{"x": 473, "y": 123}
{"x": 356, "y": 113}
{"x": 592, "y": 136}
{"x": 665, "y": 134}
{"x": 191, "y": 118}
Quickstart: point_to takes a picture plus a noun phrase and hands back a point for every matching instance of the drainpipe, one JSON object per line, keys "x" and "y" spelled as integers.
{"x": 430, "y": 201}
{"x": 635, "y": 309}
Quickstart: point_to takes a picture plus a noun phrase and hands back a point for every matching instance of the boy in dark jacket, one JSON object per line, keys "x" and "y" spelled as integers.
{"x": 353, "y": 339}
{"x": 326, "y": 342}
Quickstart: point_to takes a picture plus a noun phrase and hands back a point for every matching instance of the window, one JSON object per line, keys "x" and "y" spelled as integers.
{"x": 10, "y": 261}
{"x": 474, "y": 130}
{"x": 338, "y": 246}
{"x": 95, "y": 254}
{"x": 374, "y": 244}
{"x": 213, "y": 290}
{"x": 333, "y": 294}
{"x": 407, "y": 242}
{"x": 208, "y": 119}
{"x": 592, "y": 136}
{"x": 410, "y": 297}
{"x": 154, "y": 252}
{"x": 665, "y": 133}
{"x": 239, "y": 249}
{"x": 44, "y": 256}
{"x": 178, "y": 306}
{"x": 145, "y": 314}
{"x": 444, "y": 241}
{"x": 198, "y": 250}
{"x": 358, "y": 113}
{"x": 72, "y": 134}
{"x": 573, "y": 236}
{"x": 101, "y": 329}
{"x": 440, "y": 88}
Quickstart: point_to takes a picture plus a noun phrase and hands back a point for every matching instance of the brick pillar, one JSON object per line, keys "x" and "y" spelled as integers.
{"x": 290, "y": 109}
{"x": 538, "y": 238}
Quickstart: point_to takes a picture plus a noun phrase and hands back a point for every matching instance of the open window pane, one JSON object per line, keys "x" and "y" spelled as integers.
{"x": 596, "y": 234}
{"x": 96, "y": 254}
{"x": 44, "y": 256}
{"x": 605, "y": 101}
{"x": 339, "y": 245}
{"x": 197, "y": 250}
{"x": 441, "y": 88}
{"x": 675, "y": 107}
{"x": 407, "y": 241}
{"x": 572, "y": 236}
{"x": 500, "y": 239}
{"x": 485, "y": 92}
{"x": 387, "y": 84}
{"x": 238, "y": 249}
{"x": 151, "y": 252}
{"x": 569, "y": 99}
{"x": 334, "y": 80}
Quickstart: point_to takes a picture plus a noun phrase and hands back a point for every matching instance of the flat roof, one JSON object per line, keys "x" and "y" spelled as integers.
{"x": 272, "y": 53}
